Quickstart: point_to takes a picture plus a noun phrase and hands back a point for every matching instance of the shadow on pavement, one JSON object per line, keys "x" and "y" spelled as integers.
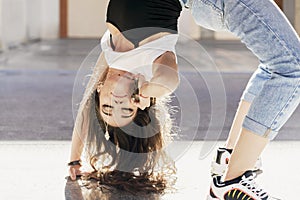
{"x": 74, "y": 190}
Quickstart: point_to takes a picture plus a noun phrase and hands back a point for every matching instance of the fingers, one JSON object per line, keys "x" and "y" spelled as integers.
{"x": 138, "y": 104}
{"x": 141, "y": 80}
{"x": 143, "y": 103}
{"x": 72, "y": 172}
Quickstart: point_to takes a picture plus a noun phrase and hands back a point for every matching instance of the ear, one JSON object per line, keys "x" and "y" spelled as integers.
{"x": 99, "y": 86}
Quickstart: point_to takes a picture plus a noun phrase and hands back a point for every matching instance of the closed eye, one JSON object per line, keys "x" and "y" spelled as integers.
{"x": 127, "y": 110}
{"x": 107, "y": 110}
{"x": 106, "y": 106}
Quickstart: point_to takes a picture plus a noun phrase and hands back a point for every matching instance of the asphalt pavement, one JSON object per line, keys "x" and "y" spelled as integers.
{"x": 37, "y": 82}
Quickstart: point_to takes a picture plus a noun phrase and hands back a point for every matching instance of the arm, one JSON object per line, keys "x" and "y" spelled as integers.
{"x": 165, "y": 77}
{"x": 82, "y": 119}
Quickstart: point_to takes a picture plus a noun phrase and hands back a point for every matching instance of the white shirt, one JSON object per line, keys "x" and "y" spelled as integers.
{"x": 140, "y": 59}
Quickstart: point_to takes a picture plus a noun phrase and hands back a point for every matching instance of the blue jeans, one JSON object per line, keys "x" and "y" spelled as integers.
{"x": 273, "y": 89}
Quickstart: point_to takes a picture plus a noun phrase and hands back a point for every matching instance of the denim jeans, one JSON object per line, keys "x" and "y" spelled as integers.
{"x": 273, "y": 89}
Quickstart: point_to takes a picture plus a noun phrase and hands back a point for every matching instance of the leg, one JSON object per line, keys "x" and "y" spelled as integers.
{"x": 268, "y": 34}
{"x": 254, "y": 86}
{"x": 271, "y": 38}
{"x": 235, "y": 130}
{"x": 239, "y": 163}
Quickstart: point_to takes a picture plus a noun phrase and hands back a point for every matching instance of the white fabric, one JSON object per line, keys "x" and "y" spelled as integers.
{"x": 140, "y": 59}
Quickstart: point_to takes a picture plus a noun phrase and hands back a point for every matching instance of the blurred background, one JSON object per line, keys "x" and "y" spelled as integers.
{"x": 24, "y": 21}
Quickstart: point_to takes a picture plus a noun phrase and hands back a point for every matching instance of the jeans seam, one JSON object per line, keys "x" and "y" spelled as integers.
{"x": 220, "y": 12}
{"x": 281, "y": 111}
{"x": 285, "y": 105}
{"x": 271, "y": 30}
{"x": 249, "y": 118}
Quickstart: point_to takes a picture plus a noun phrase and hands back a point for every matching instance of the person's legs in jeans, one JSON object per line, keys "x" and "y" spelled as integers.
{"x": 210, "y": 14}
{"x": 253, "y": 88}
{"x": 267, "y": 33}
{"x": 272, "y": 95}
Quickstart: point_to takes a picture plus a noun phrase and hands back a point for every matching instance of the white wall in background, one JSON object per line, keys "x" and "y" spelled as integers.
{"x": 86, "y": 19}
{"x": 24, "y": 20}
{"x": 33, "y": 18}
{"x": 13, "y": 22}
{"x": 49, "y": 19}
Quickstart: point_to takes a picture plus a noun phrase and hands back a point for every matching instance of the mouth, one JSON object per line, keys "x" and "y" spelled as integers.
{"x": 119, "y": 96}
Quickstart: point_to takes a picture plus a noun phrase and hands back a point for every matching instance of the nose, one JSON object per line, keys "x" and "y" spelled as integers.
{"x": 118, "y": 101}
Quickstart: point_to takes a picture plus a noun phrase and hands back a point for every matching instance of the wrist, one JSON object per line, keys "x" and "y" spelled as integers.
{"x": 74, "y": 163}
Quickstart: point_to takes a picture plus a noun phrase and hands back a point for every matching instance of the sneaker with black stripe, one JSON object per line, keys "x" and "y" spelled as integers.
{"x": 240, "y": 188}
{"x": 221, "y": 160}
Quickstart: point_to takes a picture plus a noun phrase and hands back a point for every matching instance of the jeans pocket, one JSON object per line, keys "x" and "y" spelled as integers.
{"x": 208, "y": 14}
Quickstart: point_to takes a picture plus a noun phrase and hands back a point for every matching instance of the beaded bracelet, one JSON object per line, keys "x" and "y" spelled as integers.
{"x": 75, "y": 162}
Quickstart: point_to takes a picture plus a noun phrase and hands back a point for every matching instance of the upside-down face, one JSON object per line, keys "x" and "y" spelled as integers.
{"x": 115, "y": 106}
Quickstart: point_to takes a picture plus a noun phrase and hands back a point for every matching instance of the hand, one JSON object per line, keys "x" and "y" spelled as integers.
{"x": 141, "y": 79}
{"x": 143, "y": 102}
{"x": 74, "y": 171}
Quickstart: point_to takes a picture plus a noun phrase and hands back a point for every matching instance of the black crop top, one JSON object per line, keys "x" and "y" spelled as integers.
{"x": 134, "y": 15}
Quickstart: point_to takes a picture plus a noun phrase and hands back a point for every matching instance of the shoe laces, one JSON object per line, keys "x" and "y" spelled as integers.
{"x": 249, "y": 182}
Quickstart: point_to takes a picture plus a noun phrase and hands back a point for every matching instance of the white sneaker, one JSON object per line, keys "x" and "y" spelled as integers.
{"x": 240, "y": 188}
{"x": 220, "y": 162}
